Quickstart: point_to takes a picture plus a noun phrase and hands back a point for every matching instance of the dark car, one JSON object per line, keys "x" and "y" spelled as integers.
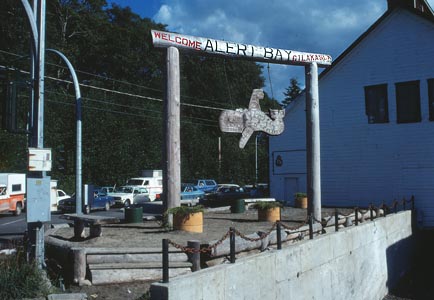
{"x": 225, "y": 195}
{"x": 206, "y": 185}
{"x": 100, "y": 201}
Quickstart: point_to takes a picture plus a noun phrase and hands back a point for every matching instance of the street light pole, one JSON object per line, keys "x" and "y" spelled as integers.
{"x": 78, "y": 159}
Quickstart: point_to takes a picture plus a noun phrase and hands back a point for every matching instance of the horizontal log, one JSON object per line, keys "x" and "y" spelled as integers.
{"x": 132, "y": 258}
{"x": 141, "y": 265}
{"x": 132, "y": 275}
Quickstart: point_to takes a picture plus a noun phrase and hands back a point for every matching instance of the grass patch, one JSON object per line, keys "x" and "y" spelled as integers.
{"x": 19, "y": 279}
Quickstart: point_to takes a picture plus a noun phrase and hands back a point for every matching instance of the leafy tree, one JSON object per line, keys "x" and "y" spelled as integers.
{"x": 291, "y": 92}
{"x": 122, "y": 77}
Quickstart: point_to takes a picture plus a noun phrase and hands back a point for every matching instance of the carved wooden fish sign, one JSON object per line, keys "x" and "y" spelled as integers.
{"x": 247, "y": 121}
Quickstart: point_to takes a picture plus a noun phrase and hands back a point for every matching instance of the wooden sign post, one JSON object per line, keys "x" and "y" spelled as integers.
{"x": 207, "y": 46}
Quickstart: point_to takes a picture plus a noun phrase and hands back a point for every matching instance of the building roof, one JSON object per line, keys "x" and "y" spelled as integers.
{"x": 418, "y": 7}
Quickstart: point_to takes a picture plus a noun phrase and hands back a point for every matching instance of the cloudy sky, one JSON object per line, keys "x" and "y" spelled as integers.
{"x": 315, "y": 26}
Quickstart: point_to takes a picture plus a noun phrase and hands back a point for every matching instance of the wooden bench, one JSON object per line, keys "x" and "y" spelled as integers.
{"x": 94, "y": 223}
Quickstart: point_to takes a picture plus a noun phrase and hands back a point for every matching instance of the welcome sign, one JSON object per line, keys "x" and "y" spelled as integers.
{"x": 240, "y": 50}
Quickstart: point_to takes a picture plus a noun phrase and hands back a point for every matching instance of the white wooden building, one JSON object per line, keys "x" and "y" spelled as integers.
{"x": 376, "y": 119}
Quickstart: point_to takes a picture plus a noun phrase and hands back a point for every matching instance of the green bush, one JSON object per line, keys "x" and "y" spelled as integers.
{"x": 267, "y": 204}
{"x": 19, "y": 279}
{"x": 185, "y": 210}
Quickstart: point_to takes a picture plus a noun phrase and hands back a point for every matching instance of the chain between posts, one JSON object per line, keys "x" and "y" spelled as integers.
{"x": 306, "y": 221}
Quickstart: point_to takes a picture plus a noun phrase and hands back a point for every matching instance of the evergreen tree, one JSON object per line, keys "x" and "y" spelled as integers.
{"x": 291, "y": 92}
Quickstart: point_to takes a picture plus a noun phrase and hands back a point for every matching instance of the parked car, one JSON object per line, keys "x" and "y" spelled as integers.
{"x": 225, "y": 195}
{"x": 62, "y": 195}
{"x": 100, "y": 201}
{"x": 206, "y": 185}
{"x": 130, "y": 195}
{"x": 107, "y": 189}
{"x": 191, "y": 192}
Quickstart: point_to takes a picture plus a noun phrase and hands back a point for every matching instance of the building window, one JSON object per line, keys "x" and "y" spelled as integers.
{"x": 376, "y": 103}
{"x": 408, "y": 102}
{"x": 431, "y": 99}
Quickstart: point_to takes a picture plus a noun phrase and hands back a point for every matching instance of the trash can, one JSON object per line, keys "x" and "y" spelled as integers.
{"x": 238, "y": 206}
{"x": 133, "y": 214}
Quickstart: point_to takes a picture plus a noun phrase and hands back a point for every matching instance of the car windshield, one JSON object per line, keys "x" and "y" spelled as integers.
{"x": 124, "y": 189}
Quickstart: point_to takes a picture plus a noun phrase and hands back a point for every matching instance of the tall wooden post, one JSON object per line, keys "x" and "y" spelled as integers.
{"x": 313, "y": 142}
{"x": 172, "y": 145}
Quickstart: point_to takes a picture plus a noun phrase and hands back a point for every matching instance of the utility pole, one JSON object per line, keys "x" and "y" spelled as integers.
{"x": 172, "y": 144}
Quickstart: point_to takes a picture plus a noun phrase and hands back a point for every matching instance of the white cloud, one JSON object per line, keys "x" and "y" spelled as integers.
{"x": 306, "y": 25}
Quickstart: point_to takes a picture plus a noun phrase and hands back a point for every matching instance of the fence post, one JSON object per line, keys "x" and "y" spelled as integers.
{"x": 165, "y": 260}
{"x": 232, "y": 244}
{"x": 194, "y": 256}
{"x": 356, "y": 214}
{"x": 336, "y": 220}
{"x": 371, "y": 212}
{"x": 310, "y": 226}
{"x": 279, "y": 237}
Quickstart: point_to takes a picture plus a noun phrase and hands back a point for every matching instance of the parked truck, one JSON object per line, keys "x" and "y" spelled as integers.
{"x": 12, "y": 192}
{"x": 152, "y": 180}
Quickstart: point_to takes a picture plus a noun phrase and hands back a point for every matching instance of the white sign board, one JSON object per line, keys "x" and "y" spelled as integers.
{"x": 39, "y": 159}
{"x": 256, "y": 53}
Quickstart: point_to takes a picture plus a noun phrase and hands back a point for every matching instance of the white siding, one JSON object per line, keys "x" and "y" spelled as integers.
{"x": 360, "y": 162}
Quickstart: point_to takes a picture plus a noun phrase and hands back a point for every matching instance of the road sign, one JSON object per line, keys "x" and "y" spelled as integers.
{"x": 39, "y": 159}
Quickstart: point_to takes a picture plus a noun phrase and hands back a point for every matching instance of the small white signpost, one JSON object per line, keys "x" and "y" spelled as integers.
{"x": 40, "y": 159}
{"x": 202, "y": 46}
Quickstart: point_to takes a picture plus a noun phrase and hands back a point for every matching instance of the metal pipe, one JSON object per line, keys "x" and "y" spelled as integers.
{"x": 279, "y": 237}
{"x": 78, "y": 159}
{"x": 232, "y": 244}
{"x": 336, "y": 220}
{"x": 310, "y": 226}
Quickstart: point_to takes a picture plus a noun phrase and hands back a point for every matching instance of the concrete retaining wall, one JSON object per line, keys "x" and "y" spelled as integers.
{"x": 359, "y": 262}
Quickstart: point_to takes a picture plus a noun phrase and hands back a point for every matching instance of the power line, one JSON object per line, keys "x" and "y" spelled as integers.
{"x": 128, "y": 83}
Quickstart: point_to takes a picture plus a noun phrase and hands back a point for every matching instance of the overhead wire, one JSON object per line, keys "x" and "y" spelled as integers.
{"x": 129, "y": 83}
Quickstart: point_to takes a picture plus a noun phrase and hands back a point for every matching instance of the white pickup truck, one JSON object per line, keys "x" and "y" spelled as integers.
{"x": 130, "y": 195}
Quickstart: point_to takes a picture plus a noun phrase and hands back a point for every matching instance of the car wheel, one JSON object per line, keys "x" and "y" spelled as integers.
{"x": 127, "y": 203}
{"x": 107, "y": 206}
{"x": 18, "y": 209}
{"x": 87, "y": 209}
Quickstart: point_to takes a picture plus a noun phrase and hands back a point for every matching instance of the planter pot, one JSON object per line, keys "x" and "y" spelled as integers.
{"x": 301, "y": 202}
{"x": 192, "y": 222}
{"x": 269, "y": 215}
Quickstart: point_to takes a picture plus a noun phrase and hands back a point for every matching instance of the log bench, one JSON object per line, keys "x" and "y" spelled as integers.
{"x": 94, "y": 223}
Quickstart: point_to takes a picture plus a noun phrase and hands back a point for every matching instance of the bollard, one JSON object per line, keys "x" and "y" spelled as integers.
{"x": 371, "y": 212}
{"x": 165, "y": 260}
{"x": 279, "y": 237}
{"x": 232, "y": 244}
{"x": 336, "y": 220}
{"x": 310, "y": 226}
{"x": 194, "y": 256}
{"x": 356, "y": 213}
